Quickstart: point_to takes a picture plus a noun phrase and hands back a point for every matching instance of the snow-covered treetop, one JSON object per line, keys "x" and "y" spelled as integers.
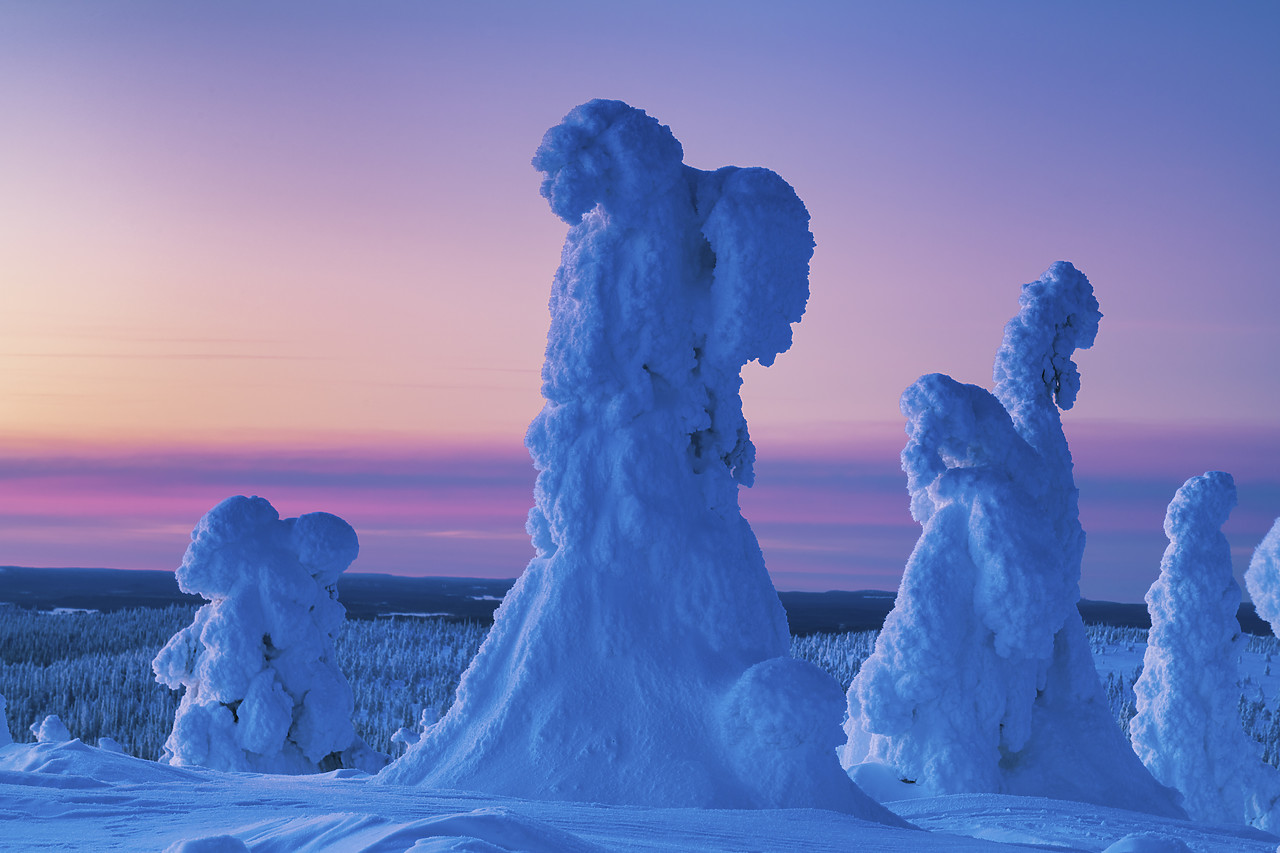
{"x": 608, "y": 153}
{"x": 954, "y": 425}
{"x": 1200, "y": 508}
{"x": 671, "y": 279}
{"x": 238, "y": 535}
{"x": 1195, "y": 574}
{"x": 1263, "y": 578}
{"x": 1057, "y": 315}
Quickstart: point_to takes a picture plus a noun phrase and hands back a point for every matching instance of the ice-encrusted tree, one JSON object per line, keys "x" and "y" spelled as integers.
{"x": 263, "y": 690}
{"x": 643, "y": 656}
{"x": 5, "y": 737}
{"x": 1263, "y": 578}
{"x": 982, "y": 679}
{"x": 1187, "y": 727}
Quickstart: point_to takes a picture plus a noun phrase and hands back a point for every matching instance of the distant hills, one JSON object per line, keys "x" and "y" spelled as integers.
{"x": 369, "y": 596}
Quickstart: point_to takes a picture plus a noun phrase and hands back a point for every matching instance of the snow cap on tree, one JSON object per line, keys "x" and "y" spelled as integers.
{"x": 1058, "y": 314}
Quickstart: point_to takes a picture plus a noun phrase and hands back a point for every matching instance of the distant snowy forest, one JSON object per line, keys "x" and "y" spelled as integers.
{"x": 93, "y": 670}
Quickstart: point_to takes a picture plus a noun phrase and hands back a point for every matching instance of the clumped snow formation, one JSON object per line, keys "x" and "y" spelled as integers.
{"x": 263, "y": 692}
{"x": 1263, "y": 578}
{"x": 1187, "y": 727}
{"x": 642, "y": 657}
{"x": 982, "y": 679}
{"x": 5, "y": 737}
{"x": 50, "y": 730}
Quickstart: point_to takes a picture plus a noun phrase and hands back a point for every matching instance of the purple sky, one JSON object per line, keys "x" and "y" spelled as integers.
{"x": 297, "y": 248}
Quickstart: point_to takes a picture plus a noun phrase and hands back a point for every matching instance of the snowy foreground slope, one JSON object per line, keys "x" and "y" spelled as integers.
{"x": 59, "y": 796}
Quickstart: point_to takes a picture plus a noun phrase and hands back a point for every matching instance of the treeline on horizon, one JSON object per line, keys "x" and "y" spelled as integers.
{"x": 371, "y": 596}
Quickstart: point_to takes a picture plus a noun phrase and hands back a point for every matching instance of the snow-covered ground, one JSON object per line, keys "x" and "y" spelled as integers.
{"x": 71, "y": 796}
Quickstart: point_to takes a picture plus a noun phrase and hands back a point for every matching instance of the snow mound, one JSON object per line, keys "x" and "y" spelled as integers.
{"x": 982, "y": 678}
{"x": 262, "y": 690}
{"x": 51, "y": 730}
{"x": 627, "y": 665}
{"x": 1187, "y": 728}
{"x": 485, "y": 830}
{"x": 1263, "y": 578}
{"x": 74, "y": 764}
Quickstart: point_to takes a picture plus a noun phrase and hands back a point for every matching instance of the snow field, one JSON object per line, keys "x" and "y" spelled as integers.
{"x": 71, "y": 796}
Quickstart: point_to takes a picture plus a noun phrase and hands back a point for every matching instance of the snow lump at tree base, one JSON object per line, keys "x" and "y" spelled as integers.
{"x": 262, "y": 690}
{"x": 1186, "y": 729}
{"x": 982, "y": 678}
{"x": 643, "y": 656}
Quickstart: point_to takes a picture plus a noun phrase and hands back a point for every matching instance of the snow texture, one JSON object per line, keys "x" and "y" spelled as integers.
{"x": 5, "y": 737}
{"x": 1263, "y": 578}
{"x": 263, "y": 692}
{"x": 643, "y": 656}
{"x": 1187, "y": 728}
{"x": 982, "y": 678}
{"x": 110, "y": 745}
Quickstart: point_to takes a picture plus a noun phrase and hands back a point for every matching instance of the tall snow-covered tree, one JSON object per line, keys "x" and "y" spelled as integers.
{"x": 982, "y": 679}
{"x": 643, "y": 656}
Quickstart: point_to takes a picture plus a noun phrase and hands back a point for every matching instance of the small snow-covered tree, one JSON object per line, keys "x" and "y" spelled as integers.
{"x": 5, "y": 737}
{"x": 643, "y": 656}
{"x": 51, "y": 730}
{"x": 1187, "y": 727}
{"x": 263, "y": 691}
{"x": 1263, "y": 578}
{"x": 982, "y": 679}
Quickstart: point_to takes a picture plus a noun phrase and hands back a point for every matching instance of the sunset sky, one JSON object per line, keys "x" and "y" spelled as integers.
{"x": 297, "y": 249}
